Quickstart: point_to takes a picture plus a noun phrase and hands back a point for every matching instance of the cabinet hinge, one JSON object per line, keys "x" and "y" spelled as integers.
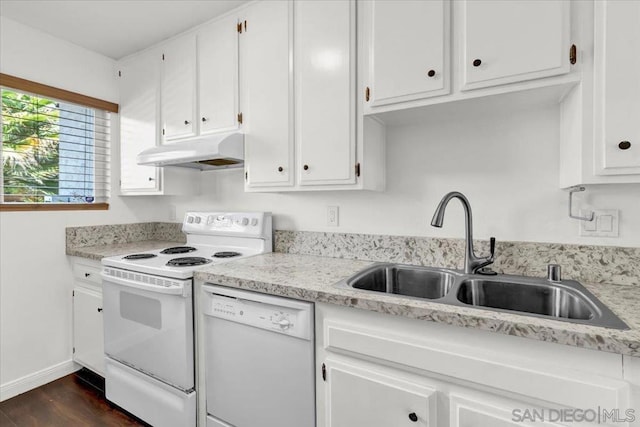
{"x": 239, "y": 27}
{"x": 573, "y": 54}
{"x": 324, "y": 372}
{"x": 367, "y": 94}
{"x": 246, "y": 175}
{"x": 119, "y": 73}
{"x": 357, "y": 169}
{"x": 240, "y": 118}
{"x": 163, "y": 131}
{"x": 74, "y": 350}
{"x": 73, "y": 293}
{"x": 163, "y": 56}
{"x": 245, "y": 26}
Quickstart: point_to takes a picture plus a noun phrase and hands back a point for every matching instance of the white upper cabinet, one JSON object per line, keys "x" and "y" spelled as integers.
{"x": 512, "y": 41}
{"x": 267, "y": 93}
{"x": 139, "y": 79}
{"x": 179, "y": 88}
{"x": 407, "y": 50}
{"x": 325, "y": 79}
{"x": 617, "y": 91}
{"x": 218, "y": 76}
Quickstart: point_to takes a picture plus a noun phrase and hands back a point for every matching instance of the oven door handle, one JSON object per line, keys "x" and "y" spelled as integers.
{"x": 171, "y": 290}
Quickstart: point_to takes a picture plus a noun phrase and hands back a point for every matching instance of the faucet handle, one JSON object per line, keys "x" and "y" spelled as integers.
{"x": 492, "y": 247}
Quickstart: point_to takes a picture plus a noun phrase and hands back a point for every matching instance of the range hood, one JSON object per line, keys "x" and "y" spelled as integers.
{"x": 220, "y": 151}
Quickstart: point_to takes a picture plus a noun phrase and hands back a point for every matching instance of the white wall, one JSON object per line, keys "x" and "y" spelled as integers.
{"x": 505, "y": 164}
{"x": 35, "y": 277}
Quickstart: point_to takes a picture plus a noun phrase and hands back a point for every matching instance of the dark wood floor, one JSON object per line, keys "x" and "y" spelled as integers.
{"x": 67, "y": 402}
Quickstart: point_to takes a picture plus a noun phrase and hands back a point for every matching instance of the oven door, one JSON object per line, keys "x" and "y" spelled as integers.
{"x": 148, "y": 324}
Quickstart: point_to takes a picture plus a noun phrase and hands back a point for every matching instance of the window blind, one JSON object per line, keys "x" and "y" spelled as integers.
{"x": 53, "y": 151}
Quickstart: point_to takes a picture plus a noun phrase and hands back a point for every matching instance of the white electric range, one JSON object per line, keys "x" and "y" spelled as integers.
{"x": 148, "y": 314}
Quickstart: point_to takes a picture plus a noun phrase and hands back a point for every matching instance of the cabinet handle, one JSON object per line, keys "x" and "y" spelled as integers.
{"x": 99, "y": 310}
{"x": 413, "y": 417}
{"x": 477, "y": 62}
{"x": 151, "y": 179}
{"x": 204, "y": 119}
{"x": 280, "y": 168}
{"x": 186, "y": 122}
{"x": 305, "y": 167}
{"x": 87, "y": 274}
{"x": 431, "y": 73}
{"x": 624, "y": 145}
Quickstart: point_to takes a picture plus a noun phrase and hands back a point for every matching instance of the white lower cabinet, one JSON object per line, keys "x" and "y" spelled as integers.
{"x": 377, "y": 370}
{"x": 360, "y": 396}
{"x": 88, "y": 338}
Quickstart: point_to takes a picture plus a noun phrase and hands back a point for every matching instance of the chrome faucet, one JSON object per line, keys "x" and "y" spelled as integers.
{"x": 472, "y": 263}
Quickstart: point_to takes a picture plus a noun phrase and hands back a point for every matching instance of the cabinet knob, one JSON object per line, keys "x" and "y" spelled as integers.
{"x": 280, "y": 168}
{"x": 87, "y": 274}
{"x": 413, "y": 417}
{"x": 477, "y": 62}
{"x": 204, "y": 119}
{"x": 431, "y": 73}
{"x": 151, "y": 179}
{"x": 624, "y": 145}
{"x": 305, "y": 167}
{"x": 186, "y": 122}
{"x": 99, "y": 310}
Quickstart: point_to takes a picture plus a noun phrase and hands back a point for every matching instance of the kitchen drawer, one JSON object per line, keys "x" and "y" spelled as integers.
{"x": 88, "y": 272}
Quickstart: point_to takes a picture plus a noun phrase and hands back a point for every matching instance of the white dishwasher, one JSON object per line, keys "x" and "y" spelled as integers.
{"x": 259, "y": 358}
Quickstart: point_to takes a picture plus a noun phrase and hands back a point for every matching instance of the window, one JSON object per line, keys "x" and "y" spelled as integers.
{"x": 55, "y": 148}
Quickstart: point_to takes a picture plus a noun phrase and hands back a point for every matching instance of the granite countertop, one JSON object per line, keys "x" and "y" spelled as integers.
{"x": 312, "y": 278}
{"x": 98, "y": 252}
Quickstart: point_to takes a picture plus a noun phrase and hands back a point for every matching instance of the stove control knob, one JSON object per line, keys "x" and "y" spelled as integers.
{"x": 210, "y": 219}
{"x": 198, "y": 220}
{"x": 189, "y": 219}
{"x": 244, "y": 221}
{"x": 254, "y": 221}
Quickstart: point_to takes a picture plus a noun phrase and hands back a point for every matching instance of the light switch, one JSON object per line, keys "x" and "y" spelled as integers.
{"x": 606, "y": 223}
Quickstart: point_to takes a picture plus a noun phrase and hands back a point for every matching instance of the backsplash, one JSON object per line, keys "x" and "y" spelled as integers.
{"x": 123, "y": 233}
{"x": 590, "y": 264}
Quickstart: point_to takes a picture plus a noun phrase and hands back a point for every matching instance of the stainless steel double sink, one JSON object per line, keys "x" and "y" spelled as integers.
{"x": 567, "y": 300}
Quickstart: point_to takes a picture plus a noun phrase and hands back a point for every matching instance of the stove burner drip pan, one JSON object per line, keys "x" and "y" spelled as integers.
{"x": 187, "y": 261}
{"x": 139, "y": 256}
{"x": 178, "y": 250}
{"x": 226, "y": 254}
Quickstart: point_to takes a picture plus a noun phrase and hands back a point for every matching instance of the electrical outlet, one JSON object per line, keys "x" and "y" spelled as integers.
{"x": 172, "y": 213}
{"x": 332, "y": 216}
{"x": 604, "y": 224}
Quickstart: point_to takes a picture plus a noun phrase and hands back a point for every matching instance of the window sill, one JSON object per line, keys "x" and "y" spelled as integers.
{"x": 22, "y": 207}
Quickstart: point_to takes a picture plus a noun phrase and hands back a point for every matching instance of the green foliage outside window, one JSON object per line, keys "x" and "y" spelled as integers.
{"x": 30, "y": 147}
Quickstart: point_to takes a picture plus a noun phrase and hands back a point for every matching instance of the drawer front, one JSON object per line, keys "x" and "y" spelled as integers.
{"x": 87, "y": 272}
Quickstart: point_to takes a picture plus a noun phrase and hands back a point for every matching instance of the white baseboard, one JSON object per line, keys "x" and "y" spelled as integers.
{"x": 31, "y": 381}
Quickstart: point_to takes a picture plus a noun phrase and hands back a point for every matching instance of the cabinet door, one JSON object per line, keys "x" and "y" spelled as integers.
{"x": 325, "y": 91}
{"x": 88, "y": 341}
{"x": 218, "y": 76}
{"x": 139, "y": 107}
{"x": 359, "y": 396}
{"x": 179, "y": 87}
{"x": 486, "y": 410}
{"x": 267, "y": 95}
{"x": 408, "y": 50}
{"x": 617, "y": 67}
{"x": 511, "y": 41}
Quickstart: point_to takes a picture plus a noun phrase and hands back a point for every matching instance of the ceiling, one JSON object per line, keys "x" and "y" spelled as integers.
{"x": 114, "y": 28}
